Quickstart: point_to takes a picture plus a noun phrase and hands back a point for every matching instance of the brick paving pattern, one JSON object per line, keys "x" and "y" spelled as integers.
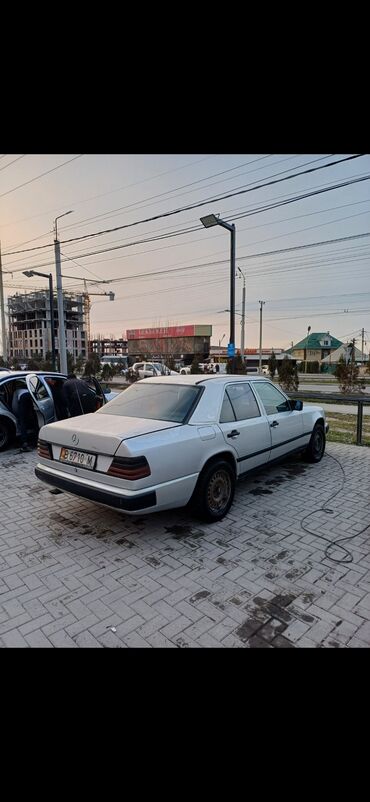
{"x": 76, "y": 574}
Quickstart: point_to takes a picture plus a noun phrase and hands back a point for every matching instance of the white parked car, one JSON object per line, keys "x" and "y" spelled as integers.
{"x": 150, "y": 369}
{"x": 167, "y": 441}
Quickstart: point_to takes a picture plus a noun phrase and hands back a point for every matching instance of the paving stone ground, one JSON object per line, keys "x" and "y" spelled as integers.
{"x": 75, "y": 574}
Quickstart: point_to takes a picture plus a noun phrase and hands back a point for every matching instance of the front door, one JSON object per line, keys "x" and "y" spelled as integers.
{"x": 244, "y": 427}
{"x": 286, "y": 425}
{"x": 42, "y": 399}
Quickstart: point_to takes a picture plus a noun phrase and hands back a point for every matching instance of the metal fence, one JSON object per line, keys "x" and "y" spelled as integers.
{"x": 360, "y": 400}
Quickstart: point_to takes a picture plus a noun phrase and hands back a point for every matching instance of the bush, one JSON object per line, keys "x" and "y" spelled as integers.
{"x": 347, "y": 375}
{"x": 272, "y": 365}
{"x": 288, "y": 375}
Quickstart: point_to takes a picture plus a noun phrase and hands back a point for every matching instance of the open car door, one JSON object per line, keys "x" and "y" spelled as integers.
{"x": 96, "y": 386}
{"x": 42, "y": 399}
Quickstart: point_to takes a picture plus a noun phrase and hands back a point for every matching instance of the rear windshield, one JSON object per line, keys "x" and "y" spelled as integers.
{"x": 167, "y": 402}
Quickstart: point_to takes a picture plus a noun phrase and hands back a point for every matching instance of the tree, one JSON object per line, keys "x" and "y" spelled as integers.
{"x": 34, "y": 364}
{"x": 347, "y": 375}
{"x": 2, "y": 363}
{"x": 194, "y": 367}
{"x": 368, "y": 366}
{"x": 239, "y": 365}
{"x": 70, "y": 363}
{"x": 272, "y": 365}
{"x": 92, "y": 366}
{"x": 107, "y": 372}
{"x": 288, "y": 375}
{"x": 79, "y": 363}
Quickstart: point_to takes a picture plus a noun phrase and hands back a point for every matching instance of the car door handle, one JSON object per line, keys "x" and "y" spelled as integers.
{"x": 274, "y": 423}
{"x": 233, "y": 433}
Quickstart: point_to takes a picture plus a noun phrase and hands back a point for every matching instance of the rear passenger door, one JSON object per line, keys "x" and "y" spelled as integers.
{"x": 244, "y": 427}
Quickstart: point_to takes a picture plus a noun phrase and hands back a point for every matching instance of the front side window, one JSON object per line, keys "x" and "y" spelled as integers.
{"x": 242, "y": 401}
{"x": 273, "y": 400}
{"x": 167, "y": 402}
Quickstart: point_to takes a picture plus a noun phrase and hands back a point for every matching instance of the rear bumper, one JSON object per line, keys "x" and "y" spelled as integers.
{"x": 128, "y": 503}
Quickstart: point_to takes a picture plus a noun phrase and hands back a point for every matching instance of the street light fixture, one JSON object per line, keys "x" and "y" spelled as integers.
{"x": 58, "y": 272}
{"x": 242, "y": 338}
{"x": 209, "y": 221}
{"x": 29, "y": 274}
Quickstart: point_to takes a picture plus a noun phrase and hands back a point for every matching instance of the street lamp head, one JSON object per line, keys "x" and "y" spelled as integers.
{"x": 209, "y": 220}
{"x": 28, "y": 273}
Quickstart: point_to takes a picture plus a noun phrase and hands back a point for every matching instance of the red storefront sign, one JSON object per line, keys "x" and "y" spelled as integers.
{"x": 152, "y": 334}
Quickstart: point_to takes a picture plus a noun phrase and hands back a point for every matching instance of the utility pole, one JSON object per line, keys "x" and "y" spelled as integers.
{"x": 308, "y": 334}
{"x": 2, "y": 313}
{"x": 61, "y": 327}
{"x": 362, "y": 344}
{"x": 260, "y": 359}
{"x": 242, "y": 338}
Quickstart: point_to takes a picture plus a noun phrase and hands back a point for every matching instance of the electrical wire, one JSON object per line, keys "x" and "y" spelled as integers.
{"x": 36, "y": 178}
{"x": 348, "y": 556}
{"x": 216, "y": 199}
{"x": 13, "y": 162}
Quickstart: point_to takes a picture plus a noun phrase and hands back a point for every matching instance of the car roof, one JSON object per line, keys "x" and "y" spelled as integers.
{"x": 20, "y": 374}
{"x": 200, "y": 378}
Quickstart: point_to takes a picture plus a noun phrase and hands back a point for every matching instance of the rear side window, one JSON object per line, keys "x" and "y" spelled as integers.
{"x": 242, "y": 402}
{"x": 227, "y": 412}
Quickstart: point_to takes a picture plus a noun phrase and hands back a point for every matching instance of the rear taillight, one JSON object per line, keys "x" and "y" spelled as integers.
{"x": 129, "y": 468}
{"x": 44, "y": 449}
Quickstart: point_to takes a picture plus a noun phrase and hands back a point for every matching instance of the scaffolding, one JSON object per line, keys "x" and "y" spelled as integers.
{"x": 30, "y": 324}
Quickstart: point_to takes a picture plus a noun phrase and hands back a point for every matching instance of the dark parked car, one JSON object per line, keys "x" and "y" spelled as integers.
{"x": 47, "y": 400}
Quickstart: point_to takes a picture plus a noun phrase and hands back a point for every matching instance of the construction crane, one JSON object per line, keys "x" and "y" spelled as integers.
{"x": 87, "y": 306}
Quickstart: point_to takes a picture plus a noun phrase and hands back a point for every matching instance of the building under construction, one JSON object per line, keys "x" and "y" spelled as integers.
{"x": 30, "y": 329}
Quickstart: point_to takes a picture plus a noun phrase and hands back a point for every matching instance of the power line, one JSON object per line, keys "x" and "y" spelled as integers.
{"x": 103, "y": 194}
{"x": 214, "y": 200}
{"x": 13, "y": 162}
{"x": 141, "y": 203}
{"x": 194, "y": 228}
{"x": 36, "y": 178}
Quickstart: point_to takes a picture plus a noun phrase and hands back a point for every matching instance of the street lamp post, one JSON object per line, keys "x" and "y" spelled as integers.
{"x": 260, "y": 357}
{"x": 29, "y": 274}
{"x": 308, "y": 334}
{"x": 242, "y": 337}
{"x": 61, "y": 327}
{"x": 209, "y": 221}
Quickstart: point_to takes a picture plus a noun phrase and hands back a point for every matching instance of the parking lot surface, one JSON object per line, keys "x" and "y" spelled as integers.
{"x": 76, "y": 574}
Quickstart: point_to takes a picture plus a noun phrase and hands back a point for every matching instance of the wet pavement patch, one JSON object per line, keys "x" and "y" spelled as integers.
{"x": 60, "y": 519}
{"x": 124, "y": 542}
{"x": 180, "y": 531}
{"x": 260, "y": 491}
{"x": 202, "y": 594}
{"x": 151, "y": 560}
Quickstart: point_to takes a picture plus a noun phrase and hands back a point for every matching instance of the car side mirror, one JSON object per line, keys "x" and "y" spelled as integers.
{"x": 297, "y": 405}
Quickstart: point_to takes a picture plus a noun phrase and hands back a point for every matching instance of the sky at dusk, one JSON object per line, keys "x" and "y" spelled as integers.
{"x": 325, "y": 286}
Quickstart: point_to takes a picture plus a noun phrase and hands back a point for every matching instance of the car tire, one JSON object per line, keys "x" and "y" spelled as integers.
{"x": 316, "y": 447}
{"x": 5, "y": 435}
{"x": 215, "y": 490}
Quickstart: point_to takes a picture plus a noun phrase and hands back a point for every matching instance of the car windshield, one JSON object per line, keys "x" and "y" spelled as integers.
{"x": 167, "y": 402}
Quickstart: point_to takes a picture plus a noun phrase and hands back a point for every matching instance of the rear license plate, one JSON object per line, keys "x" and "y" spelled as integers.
{"x": 78, "y": 458}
